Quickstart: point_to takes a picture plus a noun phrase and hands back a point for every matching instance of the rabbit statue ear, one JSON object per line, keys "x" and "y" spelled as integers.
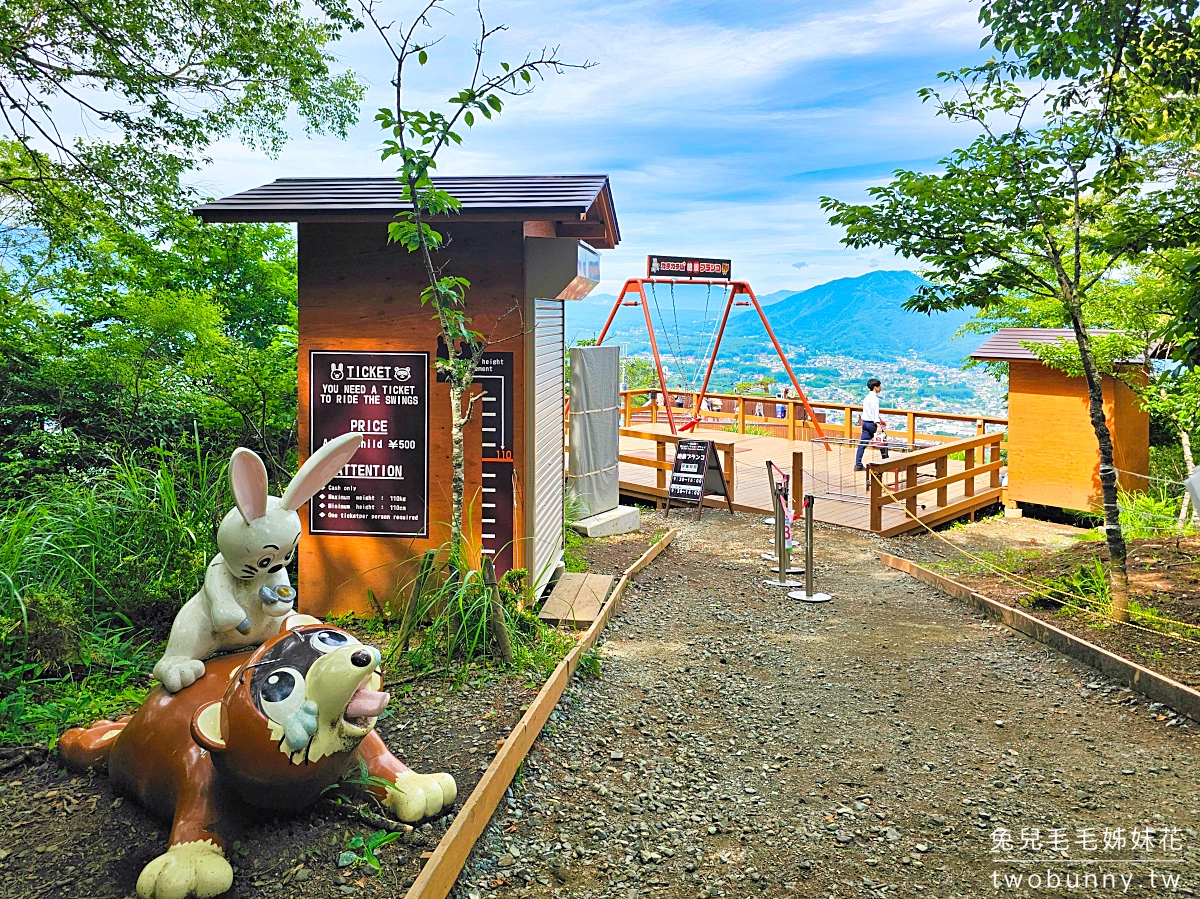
{"x": 321, "y": 468}
{"x": 248, "y": 480}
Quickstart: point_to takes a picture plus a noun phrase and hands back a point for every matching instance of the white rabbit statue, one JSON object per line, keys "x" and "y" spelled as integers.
{"x": 246, "y": 593}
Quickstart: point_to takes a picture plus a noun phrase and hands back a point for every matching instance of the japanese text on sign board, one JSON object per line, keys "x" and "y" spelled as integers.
{"x": 687, "y": 267}
{"x": 384, "y": 396}
{"x": 687, "y": 473}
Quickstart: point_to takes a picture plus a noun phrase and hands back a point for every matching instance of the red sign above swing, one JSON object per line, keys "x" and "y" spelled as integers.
{"x": 687, "y": 267}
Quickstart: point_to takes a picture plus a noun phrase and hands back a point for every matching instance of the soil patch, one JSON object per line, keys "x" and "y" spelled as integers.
{"x": 70, "y": 835}
{"x": 1164, "y": 581}
{"x": 612, "y": 555}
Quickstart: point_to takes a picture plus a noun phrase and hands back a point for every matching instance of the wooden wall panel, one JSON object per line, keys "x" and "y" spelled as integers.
{"x": 357, "y": 292}
{"x": 1053, "y": 458}
{"x": 1131, "y": 450}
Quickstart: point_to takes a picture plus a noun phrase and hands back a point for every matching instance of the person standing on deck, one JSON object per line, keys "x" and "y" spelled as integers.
{"x": 871, "y": 421}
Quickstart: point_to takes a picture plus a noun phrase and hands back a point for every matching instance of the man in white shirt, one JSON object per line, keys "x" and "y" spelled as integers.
{"x": 871, "y": 421}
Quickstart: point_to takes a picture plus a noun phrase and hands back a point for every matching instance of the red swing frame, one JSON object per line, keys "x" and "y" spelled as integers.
{"x": 736, "y": 288}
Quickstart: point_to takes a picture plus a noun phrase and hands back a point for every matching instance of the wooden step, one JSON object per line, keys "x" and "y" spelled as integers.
{"x": 575, "y": 600}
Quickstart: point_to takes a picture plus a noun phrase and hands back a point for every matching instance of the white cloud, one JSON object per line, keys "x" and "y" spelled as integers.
{"x": 657, "y": 63}
{"x": 719, "y": 133}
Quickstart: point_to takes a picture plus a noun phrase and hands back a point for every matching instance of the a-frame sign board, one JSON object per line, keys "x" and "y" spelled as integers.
{"x": 696, "y": 474}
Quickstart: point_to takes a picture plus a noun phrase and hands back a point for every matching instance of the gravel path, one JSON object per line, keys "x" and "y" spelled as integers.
{"x": 739, "y": 744}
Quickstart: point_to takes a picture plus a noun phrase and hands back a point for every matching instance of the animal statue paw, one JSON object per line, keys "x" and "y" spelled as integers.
{"x": 418, "y": 796}
{"x": 177, "y": 672}
{"x": 302, "y": 726}
{"x": 186, "y": 870}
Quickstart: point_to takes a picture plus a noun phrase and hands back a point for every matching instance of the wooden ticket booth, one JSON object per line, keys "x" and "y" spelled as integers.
{"x": 1053, "y": 457}
{"x": 366, "y": 362}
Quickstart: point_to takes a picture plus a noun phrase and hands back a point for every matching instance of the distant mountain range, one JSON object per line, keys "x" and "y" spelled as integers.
{"x": 862, "y": 318}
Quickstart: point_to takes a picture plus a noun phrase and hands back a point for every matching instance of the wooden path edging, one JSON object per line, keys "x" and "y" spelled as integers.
{"x": 1158, "y": 687}
{"x": 441, "y": 871}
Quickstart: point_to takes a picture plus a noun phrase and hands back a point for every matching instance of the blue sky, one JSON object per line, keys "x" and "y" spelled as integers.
{"x": 720, "y": 124}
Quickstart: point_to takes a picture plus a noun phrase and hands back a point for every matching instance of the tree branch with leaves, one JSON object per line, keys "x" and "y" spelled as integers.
{"x": 154, "y": 84}
{"x": 1051, "y": 212}
{"x": 416, "y": 140}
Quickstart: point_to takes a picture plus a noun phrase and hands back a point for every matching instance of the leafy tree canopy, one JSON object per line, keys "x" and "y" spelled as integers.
{"x": 1100, "y": 41}
{"x": 150, "y": 80}
{"x": 1044, "y": 213}
{"x": 116, "y": 338}
{"x": 1137, "y": 62}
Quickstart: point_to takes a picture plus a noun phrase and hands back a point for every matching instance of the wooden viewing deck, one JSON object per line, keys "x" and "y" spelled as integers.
{"x": 919, "y": 484}
{"x": 842, "y": 496}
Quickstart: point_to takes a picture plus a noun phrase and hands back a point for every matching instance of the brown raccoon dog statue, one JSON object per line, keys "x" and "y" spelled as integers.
{"x": 270, "y": 728}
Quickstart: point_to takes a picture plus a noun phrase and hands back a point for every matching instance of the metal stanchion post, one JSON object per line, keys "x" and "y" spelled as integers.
{"x": 808, "y": 546}
{"x": 773, "y": 521}
{"x": 807, "y": 594}
{"x": 779, "y": 499}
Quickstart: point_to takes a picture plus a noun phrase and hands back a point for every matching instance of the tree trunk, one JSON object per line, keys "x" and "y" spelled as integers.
{"x": 1185, "y": 440}
{"x": 457, "y": 478}
{"x": 1118, "y": 574}
{"x": 496, "y": 622}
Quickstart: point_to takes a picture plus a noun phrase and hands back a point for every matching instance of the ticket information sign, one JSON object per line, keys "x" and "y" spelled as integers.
{"x": 383, "y": 490}
{"x": 696, "y": 474}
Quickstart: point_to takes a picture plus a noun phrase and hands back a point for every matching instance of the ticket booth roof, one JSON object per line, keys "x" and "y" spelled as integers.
{"x": 1012, "y": 344}
{"x": 579, "y": 206}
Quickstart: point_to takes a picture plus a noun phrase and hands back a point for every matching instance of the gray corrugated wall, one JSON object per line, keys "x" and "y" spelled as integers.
{"x": 548, "y": 399}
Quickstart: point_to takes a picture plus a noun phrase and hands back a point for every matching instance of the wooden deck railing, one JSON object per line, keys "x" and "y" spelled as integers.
{"x": 981, "y": 457}
{"x": 663, "y": 467}
{"x": 740, "y": 410}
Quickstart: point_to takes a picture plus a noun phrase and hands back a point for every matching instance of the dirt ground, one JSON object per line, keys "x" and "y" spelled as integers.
{"x": 613, "y": 555}
{"x": 71, "y": 836}
{"x": 1164, "y": 579}
{"x": 738, "y": 743}
{"x": 57, "y": 820}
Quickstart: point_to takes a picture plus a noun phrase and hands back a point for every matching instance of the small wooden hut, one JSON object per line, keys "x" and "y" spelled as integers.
{"x": 1053, "y": 458}
{"x": 367, "y": 362}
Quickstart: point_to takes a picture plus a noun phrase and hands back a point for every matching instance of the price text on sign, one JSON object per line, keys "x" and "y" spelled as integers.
{"x": 382, "y": 491}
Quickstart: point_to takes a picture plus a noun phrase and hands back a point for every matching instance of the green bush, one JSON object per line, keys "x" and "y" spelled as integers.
{"x": 92, "y": 572}
{"x": 1086, "y": 587}
{"x": 1152, "y": 513}
{"x": 457, "y": 603}
{"x": 751, "y": 429}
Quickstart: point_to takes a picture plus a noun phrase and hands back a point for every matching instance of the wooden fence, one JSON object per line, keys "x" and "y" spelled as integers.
{"x": 663, "y": 468}
{"x": 955, "y": 493}
{"x": 836, "y": 419}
